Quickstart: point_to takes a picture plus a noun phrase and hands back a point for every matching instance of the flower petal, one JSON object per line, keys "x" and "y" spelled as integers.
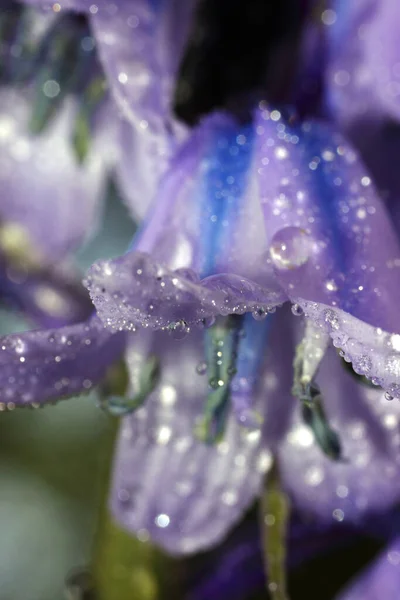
{"x": 334, "y": 249}
{"x": 207, "y": 223}
{"x": 381, "y": 580}
{"x": 367, "y": 479}
{"x": 43, "y": 189}
{"x": 332, "y": 241}
{"x": 139, "y": 184}
{"x": 184, "y": 493}
{"x": 363, "y": 79}
{"x": 45, "y": 365}
{"x": 141, "y": 44}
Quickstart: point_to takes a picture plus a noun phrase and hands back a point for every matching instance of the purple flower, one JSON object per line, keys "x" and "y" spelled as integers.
{"x": 41, "y": 185}
{"x": 246, "y": 218}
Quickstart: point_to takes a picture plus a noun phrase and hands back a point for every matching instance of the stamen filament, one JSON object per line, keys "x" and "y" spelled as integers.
{"x": 274, "y": 523}
{"x": 221, "y": 342}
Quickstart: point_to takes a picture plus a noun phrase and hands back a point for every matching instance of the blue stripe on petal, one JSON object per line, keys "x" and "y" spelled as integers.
{"x": 324, "y": 190}
{"x": 224, "y": 185}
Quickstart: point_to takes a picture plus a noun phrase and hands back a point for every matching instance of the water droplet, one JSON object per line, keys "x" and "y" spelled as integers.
{"x": 297, "y": 310}
{"x": 388, "y": 396}
{"x": 260, "y": 314}
{"x": 201, "y": 368}
{"x": 291, "y": 248}
{"x": 213, "y": 382}
{"x": 331, "y": 285}
{"x": 314, "y": 476}
{"x": 178, "y": 330}
{"x": 338, "y": 514}
{"x": 162, "y": 520}
{"x": 331, "y": 318}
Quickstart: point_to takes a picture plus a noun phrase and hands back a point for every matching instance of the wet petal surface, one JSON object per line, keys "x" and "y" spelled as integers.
{"x": 366, "y": 478}
{"x": 167, "y": 484}
{"x": 45, "y": 365}
{"x": 205, "y": 240}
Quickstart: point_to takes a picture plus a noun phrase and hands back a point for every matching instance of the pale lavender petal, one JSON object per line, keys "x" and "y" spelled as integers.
{"x": 363, "y": 77}
{"x": 205, "y": 240}
{"x": 43, "y": 189}
{"x": 182, "y": 492}
{"x": 139, "y": 168}
{"x": 381, "y": 580}
{"x": 367, "y": 479}
{"x": 141, "y": 45}
{"x": 45, "y": 365}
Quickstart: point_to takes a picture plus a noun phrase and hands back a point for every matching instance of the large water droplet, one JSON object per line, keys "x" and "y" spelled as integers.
{"x": 291, "y": 248}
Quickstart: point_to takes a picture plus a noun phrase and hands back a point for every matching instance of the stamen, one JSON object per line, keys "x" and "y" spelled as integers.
{"x": 274, "y": 521}
{"x": 115, "y": 398}
{"x": 314, "y": 416}
{"x": 221, "y": 342}
{"x": 309, "y": 354}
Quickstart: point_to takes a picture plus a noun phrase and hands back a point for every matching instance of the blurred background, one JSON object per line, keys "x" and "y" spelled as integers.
{"x": 50, "y": 461}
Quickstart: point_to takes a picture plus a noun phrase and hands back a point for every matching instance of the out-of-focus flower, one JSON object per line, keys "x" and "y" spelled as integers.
{"x": 350, "y": 74}
{"x": 61, "y": 137}
{"x": 363, "y": 55}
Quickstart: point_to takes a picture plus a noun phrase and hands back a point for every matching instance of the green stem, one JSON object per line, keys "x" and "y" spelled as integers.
{"x": 274, "y": 507}
{"x": 123, "y": 567}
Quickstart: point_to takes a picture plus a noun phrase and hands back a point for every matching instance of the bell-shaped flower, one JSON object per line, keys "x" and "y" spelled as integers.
{"x": 247, "y": 217}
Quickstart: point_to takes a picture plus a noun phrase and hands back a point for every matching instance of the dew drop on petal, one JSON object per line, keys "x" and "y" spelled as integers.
{"x": 297, "y": 310}
{"x": 178, "y": 330}
{"x": 291, "y": 248}
{"x": 201, "y": 368}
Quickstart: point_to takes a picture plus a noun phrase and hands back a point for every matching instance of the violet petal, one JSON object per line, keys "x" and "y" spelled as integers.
{"x": 45, "y": 365}
{"x": 182, "y": 492}
{"x": 367, "y": 478}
